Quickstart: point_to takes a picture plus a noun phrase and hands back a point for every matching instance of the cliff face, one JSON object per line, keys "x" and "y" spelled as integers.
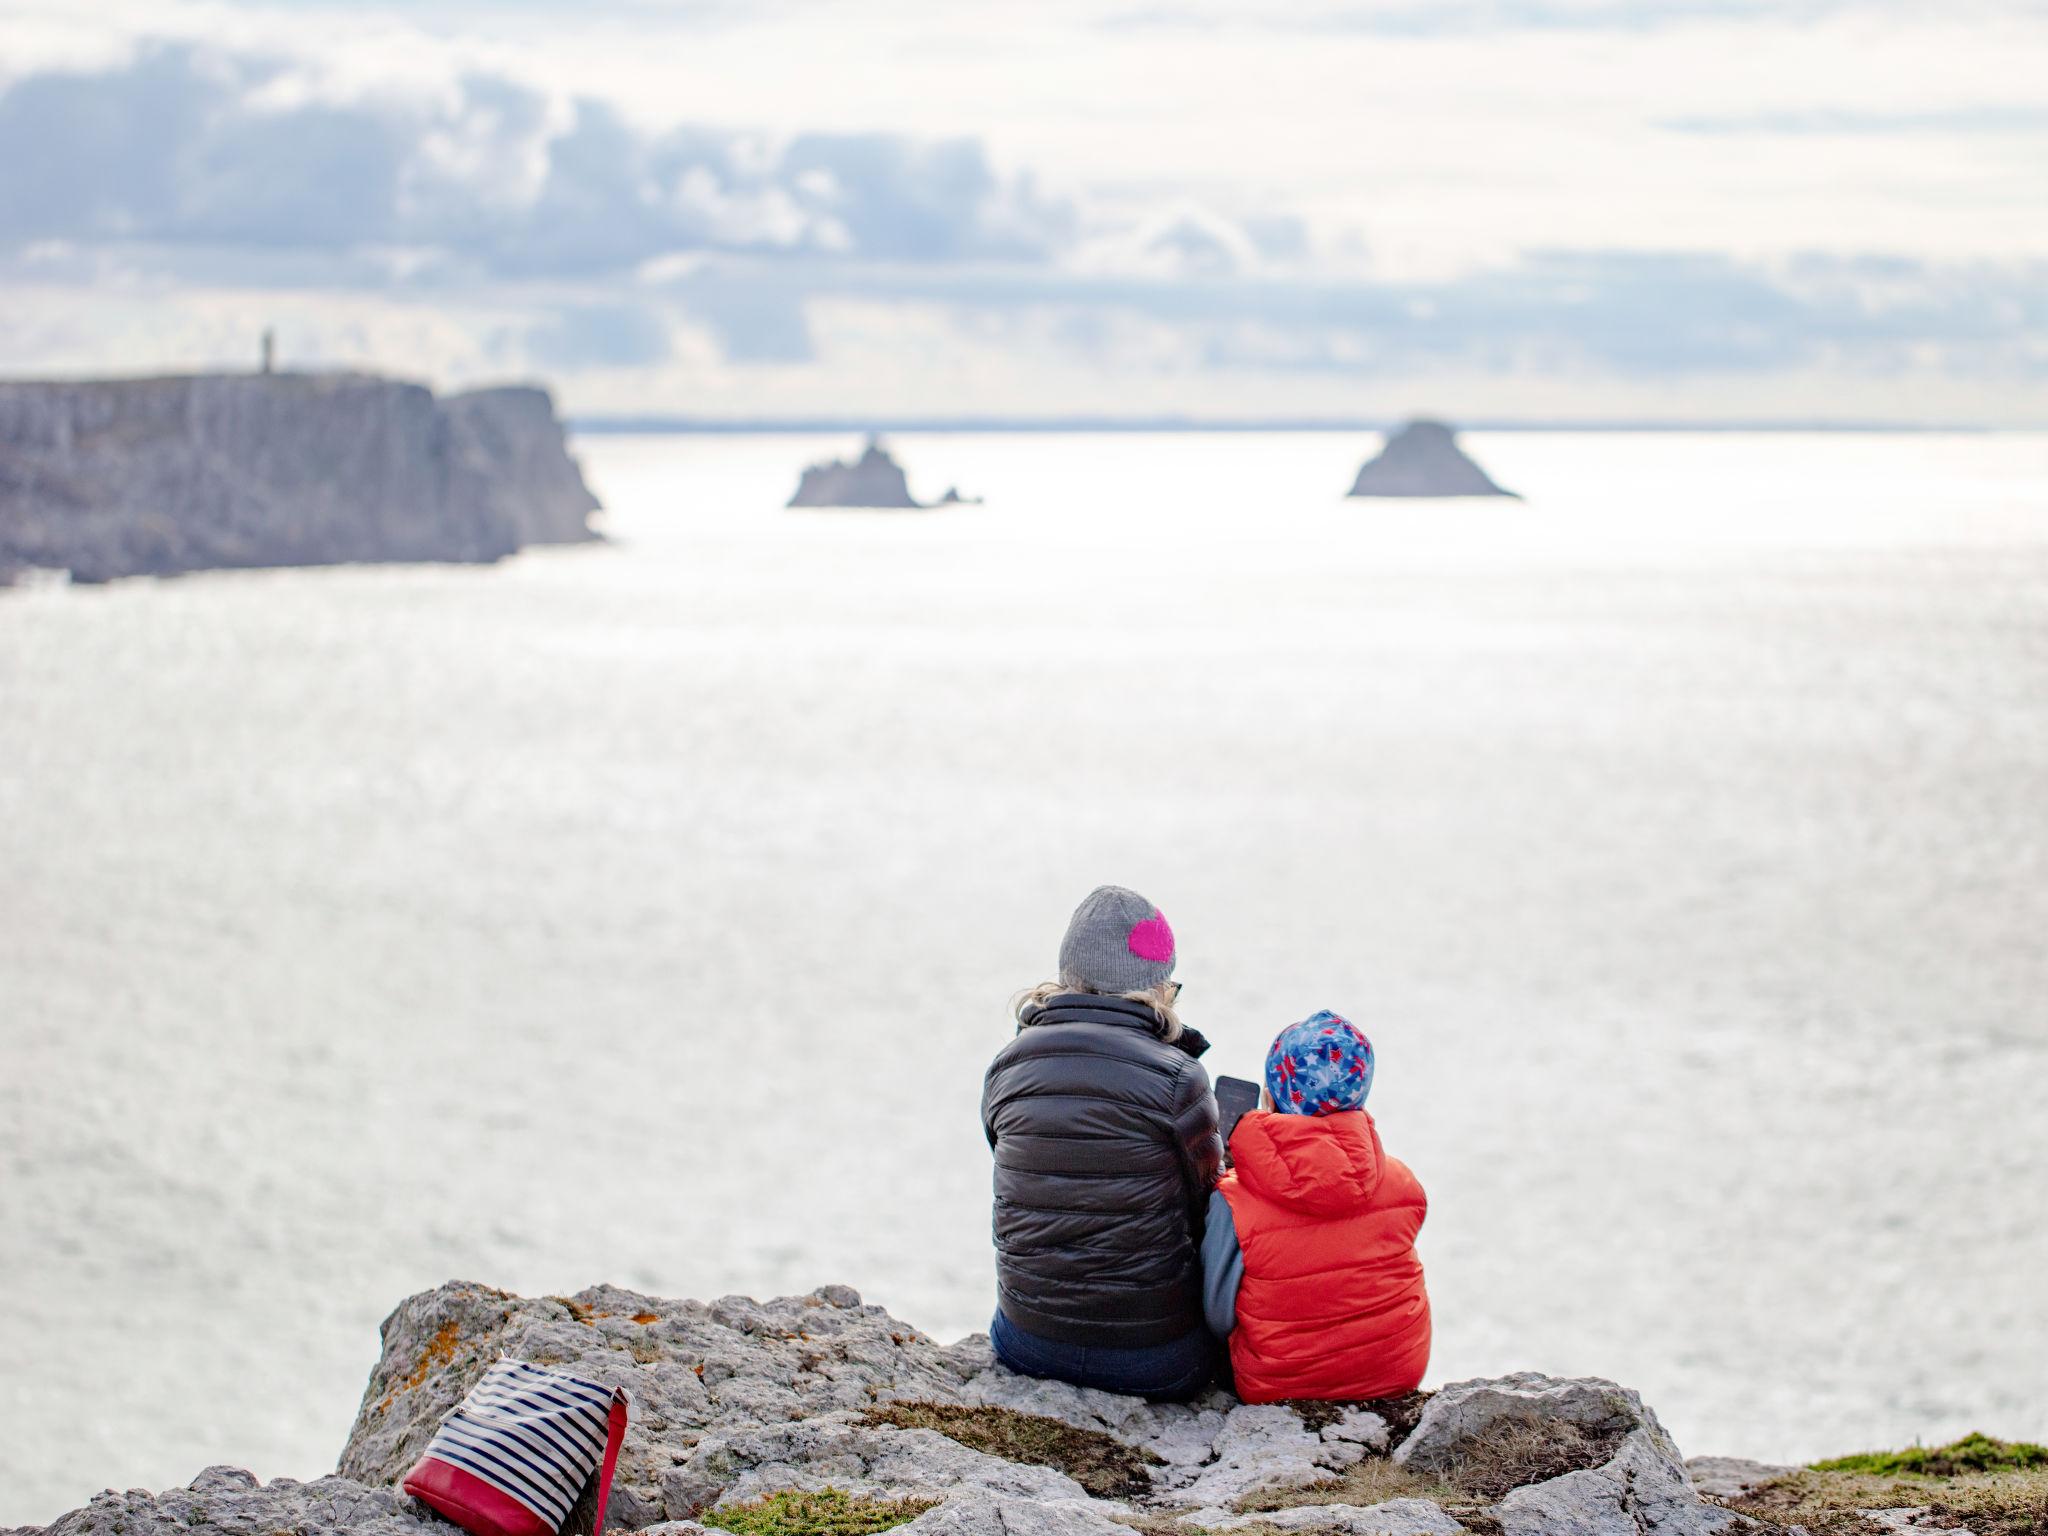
{"x": 157, "y": 476}
{"x": 737, "y": 1402}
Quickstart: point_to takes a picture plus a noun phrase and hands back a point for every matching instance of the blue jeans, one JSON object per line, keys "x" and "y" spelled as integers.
{"x": 1161, "y": 1373}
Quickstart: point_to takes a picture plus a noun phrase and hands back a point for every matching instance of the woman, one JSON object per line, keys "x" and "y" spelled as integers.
{"x": 1104, "y": 1132}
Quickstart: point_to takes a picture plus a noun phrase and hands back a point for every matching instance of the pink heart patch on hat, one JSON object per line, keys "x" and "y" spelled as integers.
{"x": 1153, "y": 940}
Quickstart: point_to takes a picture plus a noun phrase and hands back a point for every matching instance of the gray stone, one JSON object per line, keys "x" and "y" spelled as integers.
{"x": 1260, "y": 1447}
{"x": 1642, "y": 1486}
{"x": 1423, "y": 459}
{"x": 1919, "y": 1518}
{"x": 1465, "y": 1414}
{"x": 1360, "y": 1428}
{"x": 1640, "y": 1490}
{"x": 873, "y": 1462}
{"x": 692, "y": 1369}
{"x": 1182, "y": 1435}
{"x": 1730, "y": 1477}
{"x": 1391, "y": 1517}
{"x": 978, "y": 1513}
{"x": 229, "y": 1501}
{"x": 129, "y": 477}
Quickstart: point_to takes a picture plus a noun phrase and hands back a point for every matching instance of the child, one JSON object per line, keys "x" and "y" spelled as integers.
{"x": 1309, "y": 1266}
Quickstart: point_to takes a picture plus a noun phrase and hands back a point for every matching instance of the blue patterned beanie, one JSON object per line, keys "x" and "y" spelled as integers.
{"x": 1318, "y": 1067}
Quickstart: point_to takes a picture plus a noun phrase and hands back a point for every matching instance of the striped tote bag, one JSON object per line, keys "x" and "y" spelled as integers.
{"x": 512, "y": 1458}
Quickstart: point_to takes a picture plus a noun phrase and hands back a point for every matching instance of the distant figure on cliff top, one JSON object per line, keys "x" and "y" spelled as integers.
{"x": 872, "y": 480}
{"x": 1424, "y": 459}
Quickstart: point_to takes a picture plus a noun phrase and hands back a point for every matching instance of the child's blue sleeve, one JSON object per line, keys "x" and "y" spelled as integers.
{"x": 1222, "y": 1267}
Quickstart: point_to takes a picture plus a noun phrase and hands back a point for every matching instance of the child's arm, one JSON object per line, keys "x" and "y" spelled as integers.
{"x": 1222, "y": 1267}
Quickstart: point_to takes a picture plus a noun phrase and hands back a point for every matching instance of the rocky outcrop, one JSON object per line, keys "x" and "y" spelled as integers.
{"x": 1423, "y": 459}
{"x": 1519, "y": 1436}
{"x": 159, "y": 476}
{"x": 227, "y": 1499}
{"x": 872, "y": 480}
{"x": 738, "y": 1400}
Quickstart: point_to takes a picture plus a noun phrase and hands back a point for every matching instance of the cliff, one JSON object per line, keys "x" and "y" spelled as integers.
{"x": 823, "y": 1414}
{"x": 1423, "y": 459}
{"x": 158, "y": 476}
{"x": 873, "y": 480}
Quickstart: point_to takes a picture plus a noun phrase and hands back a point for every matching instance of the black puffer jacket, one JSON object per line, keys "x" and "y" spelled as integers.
{"x": 1106, "y": 1150}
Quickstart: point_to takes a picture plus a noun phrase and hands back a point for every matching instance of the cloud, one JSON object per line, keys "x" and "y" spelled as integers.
{"x": 1434, "y": 18}
{"x": 757, "y": 316}
{"x": 599, "y": 336}
{"x": 1625, "y": 315}
{"x": 903, "y": 201}
{"x": 183, "y": 146}
{"x": 2013, "y": 118}
{"x": 517, "y": 228}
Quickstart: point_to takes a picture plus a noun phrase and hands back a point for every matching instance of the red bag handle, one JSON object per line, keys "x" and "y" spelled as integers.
{"x": 615, "y": 1435}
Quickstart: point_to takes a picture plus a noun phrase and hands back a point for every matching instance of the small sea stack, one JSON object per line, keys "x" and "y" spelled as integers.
{"x": 1424, "y": 459}
{"x": 873, "y": 480}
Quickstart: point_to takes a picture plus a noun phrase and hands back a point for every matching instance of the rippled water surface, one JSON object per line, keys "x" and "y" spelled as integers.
{"x": 646, "y": 912}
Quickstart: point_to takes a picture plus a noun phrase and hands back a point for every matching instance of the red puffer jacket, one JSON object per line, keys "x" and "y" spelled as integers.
{"x": 1332, "y": 1304}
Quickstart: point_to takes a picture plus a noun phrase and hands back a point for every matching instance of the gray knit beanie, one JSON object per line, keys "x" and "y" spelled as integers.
{"x": 1117, "y": 942}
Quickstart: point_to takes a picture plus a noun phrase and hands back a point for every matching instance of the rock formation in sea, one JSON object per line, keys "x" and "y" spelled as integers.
{"x": 1423, "y": 459}
{"x": 736, "y": 1402}
{"x": 872, "y": 480}
{"x": 157, "y": 476}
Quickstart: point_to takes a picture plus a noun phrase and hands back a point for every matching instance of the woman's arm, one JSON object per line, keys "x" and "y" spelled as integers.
{"x": 1197, "y": 1136}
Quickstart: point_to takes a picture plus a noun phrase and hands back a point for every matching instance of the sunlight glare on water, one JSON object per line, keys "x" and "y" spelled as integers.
{"x": 646, "y": 912}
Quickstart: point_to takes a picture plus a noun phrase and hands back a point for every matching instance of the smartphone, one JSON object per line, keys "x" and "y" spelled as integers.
{"x": 1235, "y": 1098}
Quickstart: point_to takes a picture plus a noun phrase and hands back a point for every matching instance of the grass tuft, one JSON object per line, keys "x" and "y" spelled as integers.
{"x": 1520, "y": 1452}
{"x": 828, "y": 1512}
{"x": 1972, "y": 1453}
{"x": 1516, "y": 1454}
{"x": 1373, "y": 1481}
{"x": 1830, "y": 1503}
{"x": 1367, "y": 1482}
{"x": 1102, "y": 1464}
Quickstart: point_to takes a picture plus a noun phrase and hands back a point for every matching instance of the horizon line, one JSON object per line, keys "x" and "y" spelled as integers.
{"x": 607, "y": 424}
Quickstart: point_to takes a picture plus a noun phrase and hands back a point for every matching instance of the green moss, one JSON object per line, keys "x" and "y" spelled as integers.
{"x": 828, "y": 1512}
{"x": 1972, "y": 1453}
{"x": 1100, "y": 1463}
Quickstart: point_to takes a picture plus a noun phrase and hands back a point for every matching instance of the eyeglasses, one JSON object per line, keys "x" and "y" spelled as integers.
{"x": 1174, "y": 995}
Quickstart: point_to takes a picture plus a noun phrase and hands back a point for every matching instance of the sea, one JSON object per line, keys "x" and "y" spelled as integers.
{"x": 647, "y": 911}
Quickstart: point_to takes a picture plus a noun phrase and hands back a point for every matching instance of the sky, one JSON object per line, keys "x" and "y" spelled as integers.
{"x": 1554, "y": 210}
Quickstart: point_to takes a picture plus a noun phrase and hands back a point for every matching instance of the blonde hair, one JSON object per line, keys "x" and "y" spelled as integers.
{"x": 1159, "y": 999}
